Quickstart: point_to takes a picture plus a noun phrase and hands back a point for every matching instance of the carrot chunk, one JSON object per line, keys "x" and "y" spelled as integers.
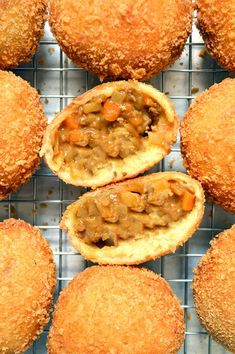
{"x": 110, "y": 111}
{"x": 147, "y": 100}
{"x": 74, "y": 135}
{"x": 135, "y": 187}
{"x": 78, "y": 137}
{"x": 161, "y": 185}
{"x": 70, "y": 123}
{"x": 188, "y": 201}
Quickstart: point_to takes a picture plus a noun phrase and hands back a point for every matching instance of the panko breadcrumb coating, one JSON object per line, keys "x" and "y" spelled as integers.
{"x": 216, "y": 22}
{"x": 122, "y": 39}
{"x": 208, "y": 142}
{"x": 27, "y": 282}
{"x": 116, "y": 309}
{"x": 21, "y": 26}
{"x": 214, "y": 289}
{"x": 21, "y": 132}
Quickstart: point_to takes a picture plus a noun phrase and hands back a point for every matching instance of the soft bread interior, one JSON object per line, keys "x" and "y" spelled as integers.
{"x": 155, "y": 243}
{"x": 117, "y": 170}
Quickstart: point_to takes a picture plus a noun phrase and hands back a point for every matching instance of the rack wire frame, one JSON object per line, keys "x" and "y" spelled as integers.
{"x": 43, "y": 200}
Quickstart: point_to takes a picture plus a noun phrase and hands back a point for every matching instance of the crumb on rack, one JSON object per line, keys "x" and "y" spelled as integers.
{"x": 188, "y": 316}
{"x": 12, "y": 209}
{"x": 51, "y": 50}
{"x": 43, "y": 205}
{"x": 34, "y": 211}
{"x": 202, "y": 53}
{"x": 41, "y": 61}
{"x": 45, "y": 224}
{"x": 46, "y": 101}
{"x": 194, "y": 90}
{"x": 171, "y": 163}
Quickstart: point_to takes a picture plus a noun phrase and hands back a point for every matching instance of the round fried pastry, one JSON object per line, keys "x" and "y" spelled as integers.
{"x": 27, "y": 282}
{"x": 21, "y": 26}
{"x": 117, "y": 310}
{"x": 208, "y": 142}
{"x": 214, "y": 288}
{"x": 21, "y": 131}
{"x": 122, "y": 39}
{"x": 216, "y": 22}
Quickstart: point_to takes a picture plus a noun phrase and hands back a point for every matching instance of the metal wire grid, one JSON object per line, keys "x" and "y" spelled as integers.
{"x": 43, "y": 200}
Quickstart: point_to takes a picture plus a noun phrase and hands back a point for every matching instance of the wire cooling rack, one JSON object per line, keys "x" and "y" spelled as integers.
{"x": 43, "y": 200}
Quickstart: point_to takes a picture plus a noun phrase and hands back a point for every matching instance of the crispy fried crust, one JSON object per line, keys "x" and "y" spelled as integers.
{"x": 122, "y": 39}
{"x": 21, "y": 131}
{"x": 117, "y": 310}
{"x": 216, "y": 22}
{"x": 208, "y": 142}
{"x": 27, "y": 282}
{"x": 155, "y": 243}
{"x": 115, "y": 170}
{"x": 21, "y": 26}
{"x": 214, "y": 289}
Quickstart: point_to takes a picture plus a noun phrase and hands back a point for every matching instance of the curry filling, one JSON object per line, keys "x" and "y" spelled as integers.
{"x": 122, "y": 213}
{"x": 110, "y": 128}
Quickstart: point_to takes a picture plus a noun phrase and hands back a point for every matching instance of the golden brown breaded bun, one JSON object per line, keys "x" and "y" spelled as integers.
{"x": 117, "y": 310}
{"x": 114, "y": 171}
{"x": 21, "y": 26}
{"x": 216, "y": 22}
{"x": 155, "y": 242}
{"x": 208, "y": 142}
{"x": 214, "y": 289}
{"x": 125, "y": 39}
{"x": 27, "y": 282}
{"x": 21, "y": 132}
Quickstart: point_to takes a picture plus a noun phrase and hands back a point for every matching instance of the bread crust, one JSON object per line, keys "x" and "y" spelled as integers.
{"x": 21, "y": 131}
{"x": 214, "y": 287}
{"x": 216, "y": 23}
{"x": 156, "y": 243}
{"x": 21, "y": 27}
{"x": 122, "y": 39}
{"x": 27, "y": 283}
{"x": 117, "y": 170}
{"x": 116, "y": 309}
{"x": 208, "y": 142}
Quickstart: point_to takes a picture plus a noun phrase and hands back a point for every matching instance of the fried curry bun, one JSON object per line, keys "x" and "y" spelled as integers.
{"x": 117, "y": 310}
{"x": 214, "y": 289}
{"x": 122, "y": 39}
{"x": 21, "y": 26}
{"x": 112, "y": 132}
{"x": 27, "y": 282}
{"x": 21, "y": 131}
{"x": 136, "y": 220}
{"x": 216, "y": 22}
{"x": 208, "y": 142}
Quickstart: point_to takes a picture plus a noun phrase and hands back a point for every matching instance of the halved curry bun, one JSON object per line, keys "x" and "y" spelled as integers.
{"x": 113, "y": 132}
{"x": 137, "y": 220}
